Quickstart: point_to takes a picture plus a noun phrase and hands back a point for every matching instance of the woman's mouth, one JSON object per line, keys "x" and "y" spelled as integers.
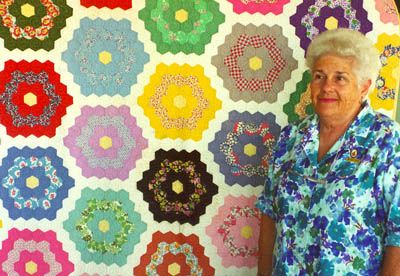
{"x": 327, "y": 100}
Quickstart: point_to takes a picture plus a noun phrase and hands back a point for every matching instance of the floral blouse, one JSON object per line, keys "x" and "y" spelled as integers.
{"x": 335, "y": 216}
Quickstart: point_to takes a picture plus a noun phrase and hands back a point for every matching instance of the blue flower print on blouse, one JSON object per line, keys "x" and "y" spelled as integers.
{"x": 334, "y": 216}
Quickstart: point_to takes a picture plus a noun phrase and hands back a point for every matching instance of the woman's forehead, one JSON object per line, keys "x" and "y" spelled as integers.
{"x": 334, "y": 63}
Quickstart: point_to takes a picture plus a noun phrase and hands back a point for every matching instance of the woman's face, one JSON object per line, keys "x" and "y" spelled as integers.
{"x": 335, "y": 92}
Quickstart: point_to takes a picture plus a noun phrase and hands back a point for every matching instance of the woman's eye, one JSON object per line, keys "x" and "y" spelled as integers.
{"x": 318, "y": 76}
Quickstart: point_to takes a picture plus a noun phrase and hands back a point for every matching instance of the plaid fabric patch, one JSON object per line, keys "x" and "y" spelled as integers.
{"x": 254, "y": 84}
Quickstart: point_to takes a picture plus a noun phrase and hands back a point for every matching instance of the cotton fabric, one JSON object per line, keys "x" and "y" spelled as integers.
{"x": 335, "y": 216}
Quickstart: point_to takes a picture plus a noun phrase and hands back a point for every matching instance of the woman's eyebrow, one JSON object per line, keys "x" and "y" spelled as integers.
{"x": 336, "y": 72}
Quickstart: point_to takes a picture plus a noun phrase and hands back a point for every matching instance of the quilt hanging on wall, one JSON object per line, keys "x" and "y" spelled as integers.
{"x": 135, "y": 135}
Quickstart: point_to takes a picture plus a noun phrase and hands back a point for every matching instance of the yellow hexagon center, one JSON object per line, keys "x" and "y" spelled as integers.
{"x": 177, "y": 187}
{"x": 27, "y": 10}
{"x": 30, "y": 99}
{"x": 105, "y": 57}
{"x": 250, "y": 149}
{"x": 246, "y": 232}
{"x": 179, "y": 101}
{"x": 105, "y": 142}
{"x": 181, "y": 15}
{"x": 104, "y": 226}
{"x": 31, "y": 267}
{"x": 174, "y": 269}
{"x": 331, "y": 23}
{"x": 255, "y": 63}
{"x": 32, "y": 182}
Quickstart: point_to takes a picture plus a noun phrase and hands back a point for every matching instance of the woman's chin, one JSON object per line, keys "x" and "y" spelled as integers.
{"x": 326, "y": 111}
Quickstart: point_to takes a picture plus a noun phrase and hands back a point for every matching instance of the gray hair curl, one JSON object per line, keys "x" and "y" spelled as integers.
{"x": 346, "y": 43}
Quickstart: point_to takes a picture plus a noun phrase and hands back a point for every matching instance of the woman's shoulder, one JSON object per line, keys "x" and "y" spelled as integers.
{"x": 382, "y": 129}
{"x": 295, "y": 131}
{"x": 291, "y": 135}
{"x": 386, "y": 123}
{"x": 306, "y": 123}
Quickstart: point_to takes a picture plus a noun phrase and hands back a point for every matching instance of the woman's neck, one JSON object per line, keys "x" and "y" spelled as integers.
{"x": 330, "y": 130}
{"x": 328, "y": 126}
{"x": 337, "y": 125}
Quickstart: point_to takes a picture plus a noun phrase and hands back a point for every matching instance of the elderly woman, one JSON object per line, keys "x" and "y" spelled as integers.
{"x": 331, "y": 203}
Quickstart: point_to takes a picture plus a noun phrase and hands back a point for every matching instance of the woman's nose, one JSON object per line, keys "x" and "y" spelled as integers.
{"x": 327, "y": 84}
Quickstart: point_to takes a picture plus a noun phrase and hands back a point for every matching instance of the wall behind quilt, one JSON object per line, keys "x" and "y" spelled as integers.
{"x": 135, "y": 134}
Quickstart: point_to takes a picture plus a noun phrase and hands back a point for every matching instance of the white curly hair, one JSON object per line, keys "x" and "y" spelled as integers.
{"x": 346, "y": 43}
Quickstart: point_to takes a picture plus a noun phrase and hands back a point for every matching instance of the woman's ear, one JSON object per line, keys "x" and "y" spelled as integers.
{"x": 364, "y": 88}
